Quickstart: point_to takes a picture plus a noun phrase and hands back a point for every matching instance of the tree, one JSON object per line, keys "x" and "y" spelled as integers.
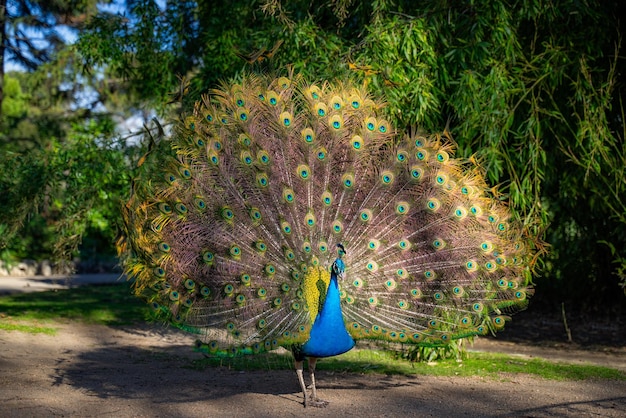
{"x": 30, "y": 30}
{"x": 61, "y": 175}
{"x": 61, "y": 160}
{"x": 148, "y": 49}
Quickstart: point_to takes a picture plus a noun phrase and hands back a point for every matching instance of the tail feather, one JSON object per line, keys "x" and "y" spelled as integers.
{"x": 269, "y": 175}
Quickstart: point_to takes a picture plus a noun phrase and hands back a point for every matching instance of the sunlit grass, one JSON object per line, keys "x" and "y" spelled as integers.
{"x": 489, "y": 365}
{"x": 32, "y": 329}
{"x": 106, "y": 305}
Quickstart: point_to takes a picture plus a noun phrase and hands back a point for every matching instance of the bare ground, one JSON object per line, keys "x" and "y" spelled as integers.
{"x": 143, "y": 371}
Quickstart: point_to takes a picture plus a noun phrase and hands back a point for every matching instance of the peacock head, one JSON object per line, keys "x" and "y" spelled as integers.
{"x": 339, "y": 268}
{"x": 341, "y": 251}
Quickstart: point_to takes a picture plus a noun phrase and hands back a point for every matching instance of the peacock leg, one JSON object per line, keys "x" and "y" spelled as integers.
{"x": 315, "y": 401}
{"x": 299, "y": 367}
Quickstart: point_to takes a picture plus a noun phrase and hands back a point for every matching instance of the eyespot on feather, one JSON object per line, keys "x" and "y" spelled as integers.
{"x": 308, "y": 135}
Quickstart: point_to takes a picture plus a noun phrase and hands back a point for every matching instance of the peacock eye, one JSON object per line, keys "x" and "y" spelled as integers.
{"x": 336, "y": 121}
{"x": 366, "y": 215}
{"x": 387, "y": 177}
{"x": 308, "y": 135}
{"x": 402, "y": 208}
{"x": 285, "y": 118}
{"x": 321, "y": 109}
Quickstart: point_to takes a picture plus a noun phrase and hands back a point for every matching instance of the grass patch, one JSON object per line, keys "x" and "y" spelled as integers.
{"x": 489, "y": 365}
{"x": 31, "y": 329}
{"x": 495, "y": 363}
{"x": 477, "y": 364}
{"x": 103, "y": 304}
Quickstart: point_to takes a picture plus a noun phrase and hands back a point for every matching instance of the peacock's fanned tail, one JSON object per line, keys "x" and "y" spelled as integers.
{"x": 231, "y": 234}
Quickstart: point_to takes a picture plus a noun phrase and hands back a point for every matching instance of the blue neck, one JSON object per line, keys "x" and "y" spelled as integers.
{"x": 328, "y": 335}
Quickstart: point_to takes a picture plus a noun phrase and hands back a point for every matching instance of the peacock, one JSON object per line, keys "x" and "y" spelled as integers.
{"x": 284, "y": 213}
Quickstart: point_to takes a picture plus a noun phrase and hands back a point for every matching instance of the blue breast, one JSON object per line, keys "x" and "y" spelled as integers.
{"x": 328, "y": 335}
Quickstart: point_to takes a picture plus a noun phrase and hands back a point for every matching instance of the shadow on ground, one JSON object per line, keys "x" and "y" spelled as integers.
{"x": 143, "y": 371}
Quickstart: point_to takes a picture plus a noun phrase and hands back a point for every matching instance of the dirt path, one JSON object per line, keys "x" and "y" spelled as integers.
{"x": 89, "y": 371}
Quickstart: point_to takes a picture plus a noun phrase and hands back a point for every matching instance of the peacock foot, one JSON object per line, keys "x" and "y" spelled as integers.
{"x": 315, "y": 402}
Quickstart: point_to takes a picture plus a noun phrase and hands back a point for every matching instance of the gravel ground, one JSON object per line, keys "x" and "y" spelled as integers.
{"x": 99, "y": 371}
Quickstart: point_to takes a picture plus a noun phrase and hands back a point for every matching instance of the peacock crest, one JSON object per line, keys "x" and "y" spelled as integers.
{"x": 235, "y": 233}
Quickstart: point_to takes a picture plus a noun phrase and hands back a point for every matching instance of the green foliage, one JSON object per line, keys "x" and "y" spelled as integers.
{"x": 90, "y": 170}
{"x": 19, "y": 192}
{"x": 150, "y": 49}
{"x": 310, "y": 51}
{"x": 600, "y": 150}
{"x": 14, "y": 104}
{"x": 399, "y": 58}
{"x": 72, "y": 186}
{"x": 146, "y": 44}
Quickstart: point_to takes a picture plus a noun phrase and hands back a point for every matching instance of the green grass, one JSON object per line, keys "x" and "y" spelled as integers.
{"x": 489, "y": 365}
{"x": 32, "y": 329}
{"x": 106, "y": 305}
{"x": 475, "y": 364}
{"x": 115, "y": 305}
